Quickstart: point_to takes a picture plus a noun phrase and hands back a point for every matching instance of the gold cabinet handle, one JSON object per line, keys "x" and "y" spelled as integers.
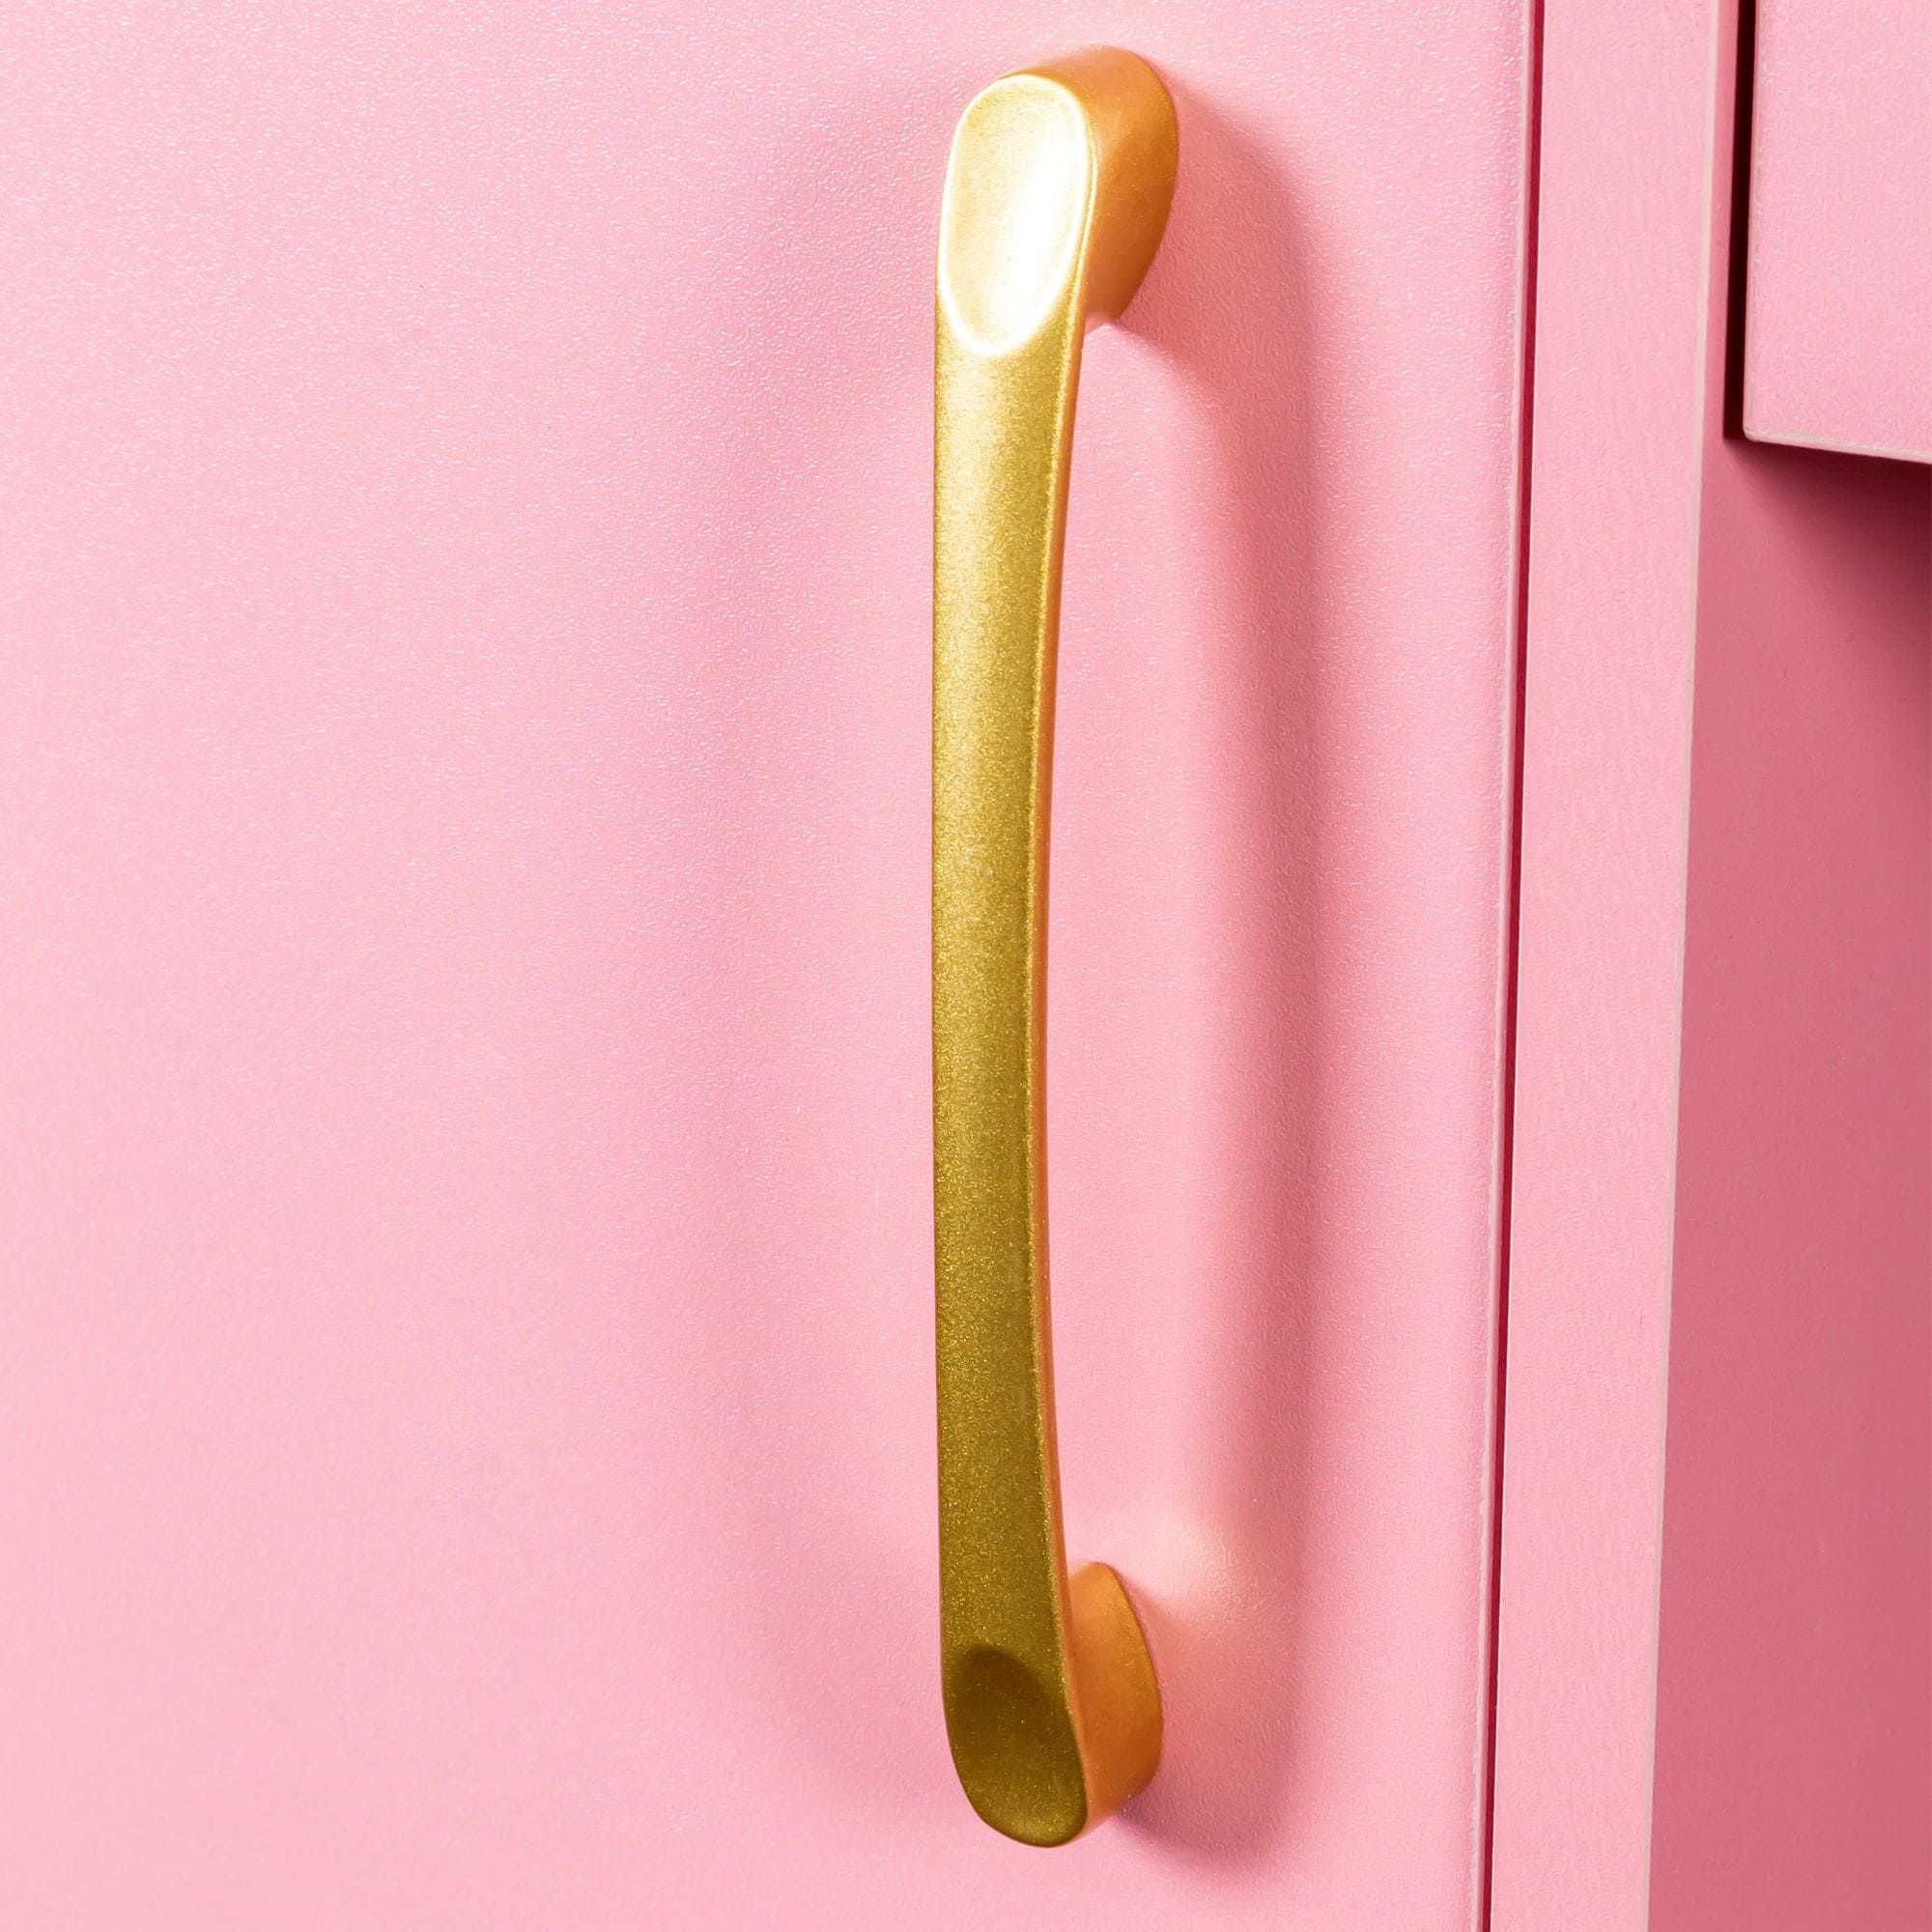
{"x": 1056, "y": 197}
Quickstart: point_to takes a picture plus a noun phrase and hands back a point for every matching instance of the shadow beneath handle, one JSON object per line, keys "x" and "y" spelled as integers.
{"x": 1227, "y": 305}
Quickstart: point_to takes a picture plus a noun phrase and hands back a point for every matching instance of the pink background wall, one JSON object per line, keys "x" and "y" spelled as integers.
{"x": 1794, "y": 1745}
{"x": 467, "y": 1455}
{"x": 1840, "y": 346}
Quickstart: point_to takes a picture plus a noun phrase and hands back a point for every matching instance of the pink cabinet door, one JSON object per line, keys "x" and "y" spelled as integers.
{"x": 467, "y": 1439}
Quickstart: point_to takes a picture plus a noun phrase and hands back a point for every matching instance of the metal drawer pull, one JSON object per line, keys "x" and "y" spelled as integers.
{"x": 1055, "y": 198}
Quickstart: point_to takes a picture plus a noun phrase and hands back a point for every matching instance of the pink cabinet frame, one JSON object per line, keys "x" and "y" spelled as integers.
{"x": 1722, "y": 1072}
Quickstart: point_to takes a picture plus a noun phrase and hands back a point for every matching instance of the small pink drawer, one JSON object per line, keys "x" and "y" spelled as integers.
{"x": 1839, "y": 341}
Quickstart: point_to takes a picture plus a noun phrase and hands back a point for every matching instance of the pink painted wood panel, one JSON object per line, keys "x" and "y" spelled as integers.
{"x": 1838, "y": 343}
{"x": 1623, "y": 399}
{"x": 465, "y": 1456}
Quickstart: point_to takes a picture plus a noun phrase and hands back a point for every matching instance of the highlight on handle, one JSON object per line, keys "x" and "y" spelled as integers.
{"x": 1056, "y": 197}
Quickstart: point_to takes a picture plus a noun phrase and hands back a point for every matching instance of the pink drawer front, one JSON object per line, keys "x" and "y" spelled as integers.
{"x": 1838, "y": 343}
{"x": 468, "y": 1448}
{"x": 467, "y": 1317}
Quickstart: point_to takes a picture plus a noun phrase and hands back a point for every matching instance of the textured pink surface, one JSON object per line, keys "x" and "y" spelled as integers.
{"x": 1838, "y": 347}
{"x": 1794, "y": 1727}
{"x": 1622, "y": 408}
{"x": 466, "y": 1436}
